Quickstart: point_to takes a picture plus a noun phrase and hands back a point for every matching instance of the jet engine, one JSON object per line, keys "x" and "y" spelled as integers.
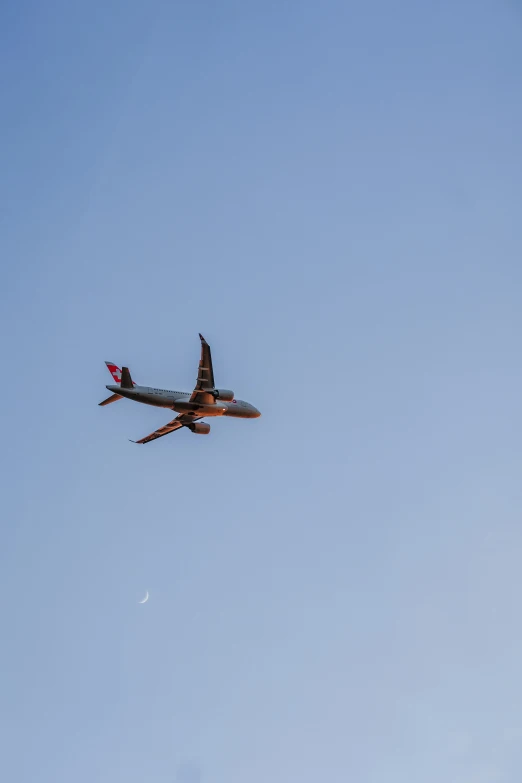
{"x": 223, "y": 394}
{"x": 200, "y": 428}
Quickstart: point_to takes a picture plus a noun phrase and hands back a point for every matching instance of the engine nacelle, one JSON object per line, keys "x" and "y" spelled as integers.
{"x": 200, "y": 428}
{"x": 223, "y": 394}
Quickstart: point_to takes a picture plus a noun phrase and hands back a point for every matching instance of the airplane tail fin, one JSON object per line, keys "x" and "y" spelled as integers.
{"x": 118, "y": 375}
{"x": 114, "y": 371}
{"x": 121, "y": 377}
{"x": 110, "y": 399}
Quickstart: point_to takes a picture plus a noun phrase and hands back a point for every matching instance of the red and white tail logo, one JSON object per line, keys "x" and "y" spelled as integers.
{"x": 114, "y": 371}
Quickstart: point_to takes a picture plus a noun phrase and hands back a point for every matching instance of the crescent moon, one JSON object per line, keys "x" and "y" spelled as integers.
{"x": 145, "y": 599}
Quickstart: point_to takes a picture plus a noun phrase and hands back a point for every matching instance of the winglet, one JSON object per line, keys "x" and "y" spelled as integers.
{"x": 202, "y": 339}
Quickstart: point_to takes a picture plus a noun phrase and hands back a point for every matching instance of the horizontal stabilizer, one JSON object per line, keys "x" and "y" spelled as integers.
{"x": 126, "y": 380}
{"x": 110, "y": 399}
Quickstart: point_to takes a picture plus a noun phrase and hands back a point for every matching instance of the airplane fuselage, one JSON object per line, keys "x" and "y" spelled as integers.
{"x": 180, "y": 402}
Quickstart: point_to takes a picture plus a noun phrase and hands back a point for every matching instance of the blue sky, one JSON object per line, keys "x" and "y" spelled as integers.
{"x": 330, "y": 192}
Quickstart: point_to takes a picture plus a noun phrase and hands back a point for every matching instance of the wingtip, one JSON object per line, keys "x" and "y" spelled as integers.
{"x": 202, "y": 338}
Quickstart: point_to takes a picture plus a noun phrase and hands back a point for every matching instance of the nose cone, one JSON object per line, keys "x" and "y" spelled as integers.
{"x": 255, "y": 413}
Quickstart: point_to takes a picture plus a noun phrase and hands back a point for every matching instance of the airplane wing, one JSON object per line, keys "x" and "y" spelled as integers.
{"x": 205, "y": 378}
{"x": 176, "y": 424}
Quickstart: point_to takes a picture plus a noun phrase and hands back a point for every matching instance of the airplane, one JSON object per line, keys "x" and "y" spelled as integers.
{"x": 204, "y": 401}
